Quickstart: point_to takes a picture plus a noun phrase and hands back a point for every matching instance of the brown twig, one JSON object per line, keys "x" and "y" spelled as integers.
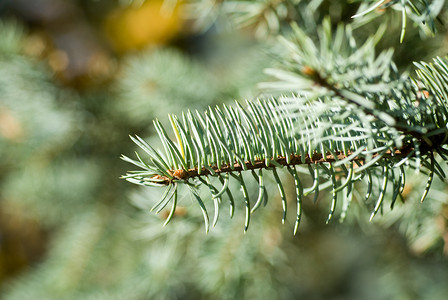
{"x": 316, "y": 158}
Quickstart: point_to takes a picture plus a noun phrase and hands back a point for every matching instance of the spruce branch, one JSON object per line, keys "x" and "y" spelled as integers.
{"x": 352, "y": 118}
{"x": 245, "y": 139}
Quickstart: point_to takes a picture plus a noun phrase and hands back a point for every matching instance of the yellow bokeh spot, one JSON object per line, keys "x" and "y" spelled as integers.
{"x": 135, "y": 27}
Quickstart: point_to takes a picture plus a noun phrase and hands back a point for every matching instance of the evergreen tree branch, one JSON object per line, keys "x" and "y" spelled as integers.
{"x": 353, "y": 117}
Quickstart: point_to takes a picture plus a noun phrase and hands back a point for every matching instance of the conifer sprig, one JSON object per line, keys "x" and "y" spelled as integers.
{"x": 262, "y": 136}
{"x": 352, "y": 117}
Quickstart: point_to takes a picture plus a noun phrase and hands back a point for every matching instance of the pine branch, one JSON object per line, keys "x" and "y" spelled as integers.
{"x": 205, "y": 147}
{"x": 352, "y": 118}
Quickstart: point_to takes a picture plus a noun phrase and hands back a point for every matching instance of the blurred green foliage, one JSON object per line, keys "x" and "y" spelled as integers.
{"x": 60, "y": 142}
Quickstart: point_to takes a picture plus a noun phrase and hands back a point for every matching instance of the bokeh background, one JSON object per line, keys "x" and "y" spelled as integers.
{"x": 78, "y": 76}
